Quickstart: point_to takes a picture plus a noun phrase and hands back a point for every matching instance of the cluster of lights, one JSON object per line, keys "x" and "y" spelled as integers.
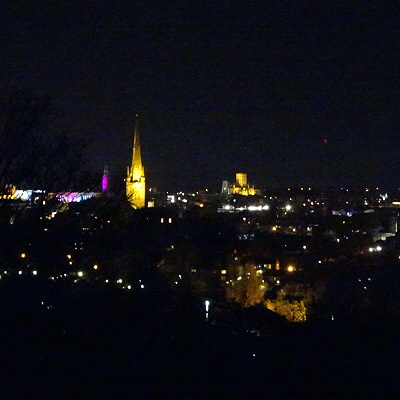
{"x": 258, "y": 208}
{"x": 80, "y": 274}
{"x": 228, "y": 207}
{"x": 373, "y": 249}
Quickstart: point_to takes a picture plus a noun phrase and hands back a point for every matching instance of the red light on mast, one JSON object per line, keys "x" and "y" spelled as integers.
{"x": 325, "y": 141}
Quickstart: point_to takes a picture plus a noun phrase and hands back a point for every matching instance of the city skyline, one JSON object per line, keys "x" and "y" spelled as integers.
{"x": 250, "y": 88}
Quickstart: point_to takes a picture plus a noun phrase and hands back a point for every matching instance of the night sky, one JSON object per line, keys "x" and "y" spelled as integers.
{"x": 221, "y": 88}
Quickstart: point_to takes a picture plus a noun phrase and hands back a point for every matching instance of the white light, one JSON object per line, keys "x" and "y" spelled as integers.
{"x": 19, "y": 272}
{"x": 80, "y": 274}
{"x": 34, "y": 272}
{"x": 378, "y": 248}
{"x": 129, "y": 287}
{"x": 371, "y": 249}
{"x": 119, "y": 281}
{"x": 142, "y": 286}
{"x": 207, "y": 304}
{"x": 254, "y": 208}
{"x": 288, "y": 207}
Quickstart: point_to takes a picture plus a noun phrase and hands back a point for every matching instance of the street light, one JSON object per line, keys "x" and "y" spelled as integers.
{"x": 207, "y": 306}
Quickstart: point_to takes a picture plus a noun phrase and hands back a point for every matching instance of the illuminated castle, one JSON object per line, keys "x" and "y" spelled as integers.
{"x": 240, "y": 186}
{"x": 135, "y": 179}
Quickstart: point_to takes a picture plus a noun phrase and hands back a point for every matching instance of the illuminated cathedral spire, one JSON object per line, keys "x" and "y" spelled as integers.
{"x": 135, "y": 179}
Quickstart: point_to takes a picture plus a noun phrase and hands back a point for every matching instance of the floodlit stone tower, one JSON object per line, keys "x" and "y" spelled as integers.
{"x": 242, "y": 187}
{"x": 241, "y": 180}
{"x": 135, "y": 179}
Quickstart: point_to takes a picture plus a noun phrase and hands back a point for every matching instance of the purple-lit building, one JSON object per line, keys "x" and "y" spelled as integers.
{"x": 104, "y": 182}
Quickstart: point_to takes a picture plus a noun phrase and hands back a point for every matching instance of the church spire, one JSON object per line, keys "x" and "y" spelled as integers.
{"x": 136, "y": 156}
{"x": 135, "y": 180}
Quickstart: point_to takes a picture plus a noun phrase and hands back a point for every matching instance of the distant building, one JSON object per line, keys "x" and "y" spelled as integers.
{"x": 241, "y": 186}
{"x": 104, "y": 181}
{"x": 135, "y": 179}
{"x": 225, "y": 187}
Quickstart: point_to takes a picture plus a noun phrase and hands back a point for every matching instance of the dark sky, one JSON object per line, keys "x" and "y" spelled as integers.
{"x": 221, "y": 88}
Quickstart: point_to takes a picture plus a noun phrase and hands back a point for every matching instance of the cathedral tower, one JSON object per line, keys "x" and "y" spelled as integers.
{"x": 135, "y": 179}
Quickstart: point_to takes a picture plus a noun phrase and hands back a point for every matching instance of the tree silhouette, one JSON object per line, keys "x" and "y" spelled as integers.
{"x": 34, "y": 153}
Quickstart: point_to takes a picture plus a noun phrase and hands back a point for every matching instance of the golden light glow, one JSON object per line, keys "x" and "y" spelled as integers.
{"x": 23, "y": 255}
{"x": 135, "y": 179}
{"x": 291, "y": 268}
{"x": 242, "y": 187}
{"x": 95, "y": 266}
{"x": 69, "y": 256}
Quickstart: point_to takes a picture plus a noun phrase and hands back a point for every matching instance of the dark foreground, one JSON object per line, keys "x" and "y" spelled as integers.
{"x": 88, "y": 341}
